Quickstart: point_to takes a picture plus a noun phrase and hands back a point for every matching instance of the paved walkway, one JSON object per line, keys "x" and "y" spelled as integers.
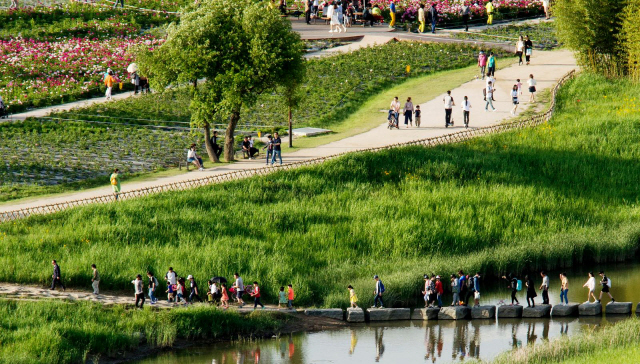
{"x": 547, "y": 68}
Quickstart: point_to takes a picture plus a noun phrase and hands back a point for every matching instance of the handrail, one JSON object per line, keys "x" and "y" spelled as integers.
{"x": 230, "y": 176}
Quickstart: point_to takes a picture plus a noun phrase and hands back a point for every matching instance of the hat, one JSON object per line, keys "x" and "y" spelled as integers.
{"x": 437, "y": 277}
{"x": 601, "y": 272}
{"x": 426, "y": 276}
{"x": 190, "y": 276}
{"x": 376, "y": 276}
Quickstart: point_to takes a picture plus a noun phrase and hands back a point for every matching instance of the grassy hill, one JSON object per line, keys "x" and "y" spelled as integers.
{"x": 544, "y": 197}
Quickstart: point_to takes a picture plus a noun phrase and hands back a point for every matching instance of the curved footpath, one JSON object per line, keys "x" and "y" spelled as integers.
{"x": 547, "y": 67}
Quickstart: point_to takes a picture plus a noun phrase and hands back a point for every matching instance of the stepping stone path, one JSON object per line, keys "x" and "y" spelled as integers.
{"x": 506, "y": 311}
{"x": 425, "y": 314}
{"x": 332, "y": 313}
{"x": 454, "y": 313}
{"x": 389, "y": 314}
{"x": 355, "y": 315}
{"x": 590, "y": 309}
{"x": 564, "y": 310}
{"x": 483, "y": 312}
{"x": 618, "y": 308}
{"x": 538, "y": 311}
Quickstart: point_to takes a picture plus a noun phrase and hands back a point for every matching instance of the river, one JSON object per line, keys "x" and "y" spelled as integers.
{"x": 422, "y": 341}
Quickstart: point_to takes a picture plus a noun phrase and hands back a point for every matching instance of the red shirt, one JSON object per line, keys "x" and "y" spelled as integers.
{"x": 290, "y": 294}
{"x": 439, "y": 287}
{"x": 256, "y": 292}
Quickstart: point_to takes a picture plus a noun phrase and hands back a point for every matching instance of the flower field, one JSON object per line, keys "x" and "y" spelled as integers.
{"x": 543, "y": 35}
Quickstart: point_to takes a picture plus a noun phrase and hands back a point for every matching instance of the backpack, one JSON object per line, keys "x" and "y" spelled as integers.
{"x": 609, "y": 282}
{"x": 114, "y": 181}
{"x": 519, "y": 285}
{"x": 381, "y": 287}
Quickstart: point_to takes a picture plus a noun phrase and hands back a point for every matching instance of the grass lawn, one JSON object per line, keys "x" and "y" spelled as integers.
{"x": 544, "y": 197}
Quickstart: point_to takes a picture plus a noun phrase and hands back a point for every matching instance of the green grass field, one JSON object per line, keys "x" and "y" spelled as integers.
{"x": 544, "y": 197}
{"x": 57, "y": 332}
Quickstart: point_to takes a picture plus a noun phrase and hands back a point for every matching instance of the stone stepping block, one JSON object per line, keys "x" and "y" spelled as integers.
{"x": 454, "y": 313}
{"x": 389, "y": 314}
{"x": 331, "y": 313}
{"x": 355, "y": 315}
{"x": 483, "y": 312}
{"x": 618, "y": 308}
{"x": 538, "y": 311}
{"x": 506, "y": 311}
{"x": 565, "y": 310}
{"x": 425, "y": 314}
{"x": 590, "y": 309}
{"x": 638, "y": 309}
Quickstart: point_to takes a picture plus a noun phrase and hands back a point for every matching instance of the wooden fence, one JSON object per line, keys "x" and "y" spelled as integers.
{"x": 179, "y": 186}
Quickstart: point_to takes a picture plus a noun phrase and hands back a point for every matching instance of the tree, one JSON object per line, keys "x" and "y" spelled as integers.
{"x": 630, "y": 38}
{"x": 590, "y": 27}
{"x": 290, "y": 91}
{"x": 239, "y": 48}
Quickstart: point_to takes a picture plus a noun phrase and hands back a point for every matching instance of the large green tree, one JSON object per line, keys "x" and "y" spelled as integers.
{"x": 238, "y": 49}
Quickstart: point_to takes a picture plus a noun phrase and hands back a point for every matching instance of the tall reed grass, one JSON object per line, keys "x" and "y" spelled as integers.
{"x": 548, "y": 197}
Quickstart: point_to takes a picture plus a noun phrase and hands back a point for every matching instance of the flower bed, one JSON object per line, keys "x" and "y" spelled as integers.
{"x": 543, "y": 35}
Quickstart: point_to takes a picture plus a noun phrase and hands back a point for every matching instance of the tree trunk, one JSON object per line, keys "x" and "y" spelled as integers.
{"x": 290, "y": 130}
{"x": 208, "y": 144}
{"x": 228, "y": 136}
{"x": 195, "y": 83}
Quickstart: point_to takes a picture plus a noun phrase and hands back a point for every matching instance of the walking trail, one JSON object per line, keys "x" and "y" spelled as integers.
{"x": 547, "y": 67}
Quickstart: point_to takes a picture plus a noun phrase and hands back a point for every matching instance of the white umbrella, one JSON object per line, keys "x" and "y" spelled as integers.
{"x": 132, "y": 68}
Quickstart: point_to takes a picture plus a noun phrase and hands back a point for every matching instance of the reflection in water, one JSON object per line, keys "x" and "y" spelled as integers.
{"x": 379, "y": 343}
{"x": 354, "y": 341}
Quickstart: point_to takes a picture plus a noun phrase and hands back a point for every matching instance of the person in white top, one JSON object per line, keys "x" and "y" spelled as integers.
{"x": 171, "y": 276}
{"x": 544, "y": 287}
{"x": 545, "y": 5}
{"x": 591, "y": 285}
{"x": 489, "y": 98}
{"x": 332, "y": 16}
{"x": 466, "y": 108}
{"x": 532, "y": 88}
{"x": 492, "y": 80}
{"x": 193, "y": 157}
{"x": 137, "y": 285}
{"x": 395, "y": 107}
{"x": 520, "y": 50}
{"x": 448, "y": 106}
{"x": 514, "y": 98}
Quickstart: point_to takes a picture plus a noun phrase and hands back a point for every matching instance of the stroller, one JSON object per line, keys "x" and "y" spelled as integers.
{"x": 393, "y": 120}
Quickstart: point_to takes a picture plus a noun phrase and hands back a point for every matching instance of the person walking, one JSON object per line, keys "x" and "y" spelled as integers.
{"x": 57, "y": 277}
{"x": 433, "y": 16}
{"x": 465, "y": 11}
{"x": 109, "y": 81}
{"x": 532, "y": 88}
{"x": 408, "y": 113}
{"x": 277, "y": 149}
{"x": 340, "y": 12}
{"x": 153, "y": 285}
{"x": 491, "y": 64}
{"x": 307, "y": 11}
{"x": 282, "y": 298}
{"x": 392, "y": 13}
{"x": 421, "y": 18}
{"x": 427, "y": 291}
{"x": 564, "y": 288}
{"x": 114, "y": 179}
{"x": 531, "y": 291}
{"x": 329, "y": 12}
{"x": 448, "y": 106}
{"x": 395, "y": 108}
{"x": 606, "y": 285}
{"x": 378, "y": 291}
{"x": 139, "y": 294}
{"x": 416, "y": 115}
{"x": 476, "y": 287}
{"x": 520, "y": 49}
{"x": 353, "y": 298}
{"x": 439, "y": 291}
{"x": 513, "y": 285}
{"x": 256, "y": 296}
{"x": 433, "y": 295}
{"x": 489, "y": 97}
{"x": 238, "y": 285}
{"x": 545, "y": 6}
{"x": 462, "y": 284}
{"x": 591, "y": 286}
{"x": 224, "y": 299}
{"x": 466, "y": 110}
{"x": 482, "y": 63}
{"x": 489, "y": 7}
{"x": 95, "y": 279}
{"x": 194, "y": 294}
{"x": 455, "y": 289}
{"x": 121, "y": 2}
{"x": 528, "y": 49}
{"x": 290, "y": 296}
{"x": 269, "y": 148}
{"x": 514, "y": 99}
{"x": 544, "y": 287}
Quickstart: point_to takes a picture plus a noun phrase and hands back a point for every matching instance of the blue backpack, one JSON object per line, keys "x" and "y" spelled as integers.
{"x": 519, "y": 285}
{"x": 381, "y": 287}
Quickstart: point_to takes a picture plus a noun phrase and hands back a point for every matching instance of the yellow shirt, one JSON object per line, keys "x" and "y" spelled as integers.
{"x": 489, "y": 7}
{"x": 352, "y": 296}
{"x": 565, "y": 283}
{"x": 109, "y": 81}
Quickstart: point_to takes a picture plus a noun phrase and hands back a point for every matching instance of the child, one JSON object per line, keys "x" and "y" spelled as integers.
{"x": 417, "y": 116}
{"x": 591, "y": 284}
{"x": 181, "y": 291}
{"x": 290, "y": 297}
{"x": 466, "y": 109}
{"x": 213, "y": 290}
{"x": 225, "y": 296}
{"x": 514, "y": 98}
{"x": 352, "y": 297}
{"x": 282, "y": 298}
{"x": 532, "y": 88}
{"x": 256, "y": 296}
{"x": 519, "y": 84}
{"x": 170, "y": 292}
{"x": 456, "y": 291}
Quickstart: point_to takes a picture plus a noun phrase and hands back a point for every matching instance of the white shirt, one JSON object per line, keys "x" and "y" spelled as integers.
{"x": 214, "y": 288}
{"x": 239, "y": 284}
{"x": 545, "y": 281}
{"x": 191, "y": 154}
{"x": 591, "y": 284}
{"x": 315, "y": 3}
{"x": 329, "y": 11}
{"x": 448, "y": 101}
{"x": 520, "y": 46}
{"x": 514, "y": 94}
{"x": 493, "y": 81}
{"x": 489, "y": 91}
{"x": 171, "y": 277}
{"x": 466, "y": 105}
{"x": 250, "y": 143}
{"x": 137, "y": 284}
{"x": 545, "y": 3}
{"x": 395, "y": 106}
{"x": 531, "y": 82}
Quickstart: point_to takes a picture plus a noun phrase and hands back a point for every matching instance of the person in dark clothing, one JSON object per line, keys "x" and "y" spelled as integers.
{"x": 606, "y": 285}
{"x": 466, "y": 13}
{"x": 308, "y": 5}
{"x": 57, "y": 280}
{"x": 544, "y": 287}
{"x": 136, "y": 83}
{"x": 256, "y": 296}
{"x": 246, "y": 146}
{"x": 115, "y": 5}
{"x": 528, "y": 49}
{"x": 513, "y": 285}
{"x": 214, "y": 141}
{"x": 194, "y": 295}
{"x": 367, "y": 16}
{"x": 277, "y": 150}
{"x": 471, "y": 290}
{"x": 462, "y": 285}
{"x": 433, "y": 16}
{"x": 531, "y": 291}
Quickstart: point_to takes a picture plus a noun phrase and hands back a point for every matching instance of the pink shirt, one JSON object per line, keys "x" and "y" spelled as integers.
{"x": 482, "y": 60}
